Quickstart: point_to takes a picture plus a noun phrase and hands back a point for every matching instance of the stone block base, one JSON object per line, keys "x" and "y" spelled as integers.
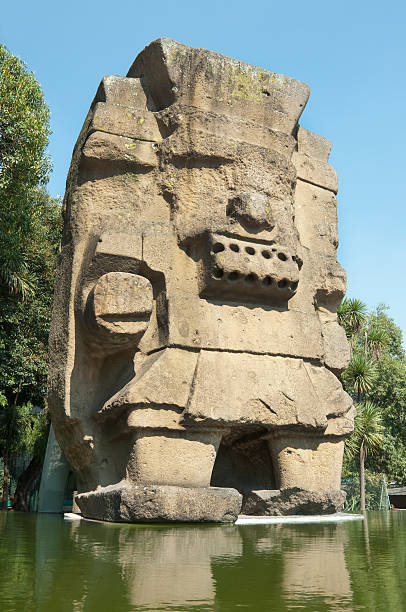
{"x": 292, "y": 501}
{"x": 126, "y": 503}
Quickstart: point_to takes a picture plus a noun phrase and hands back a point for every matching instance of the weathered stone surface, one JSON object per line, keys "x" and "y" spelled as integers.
{"x": 272, "y": 391}
{"x": 292, "y": 501}
{"x": 184, "y": 458}
{"x": 213, "y": 82}
{"x": 313, "y": 145}
{"x": 121, "y": 107}
{"x": 125, "y": 121}
{"x": 311, "y": 160}
{"x": 151, "y": 503}
{"x": 337, "y": 353}
{"x": 112, "y": 148}
{"x": 315, "y": 171}
{"x": 240, "y": 268}
{"x": 195, "y": 338}
{"x": 252, "y": 329}
{"x": 316, "y": 218}
{"x": 312, "y": 463}
{"x": 119, "y": 307}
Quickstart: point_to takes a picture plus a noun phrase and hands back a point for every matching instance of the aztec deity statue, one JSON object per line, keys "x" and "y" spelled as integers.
{"x": 195, "y": 349}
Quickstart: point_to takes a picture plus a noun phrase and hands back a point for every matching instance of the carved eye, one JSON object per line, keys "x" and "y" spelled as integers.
{"x": 122, "y": 305}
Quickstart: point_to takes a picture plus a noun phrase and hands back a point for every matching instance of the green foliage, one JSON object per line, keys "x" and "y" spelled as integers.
{"x": 30, "y": 225}
{"x": 368, "y": 430}
{"x": 16, "y": 428}
{"x": 24, "y": 324}
{"x": 24, "y": 327}
{"x": 361, "y": 374}
{"x": 375, "y": 492}
{"x": 377, "y": 375}
{"x": 39, "y": 435}
{"x": 351, "y": 315}
{"x": 391, "y": 459}
{"x": 390, "y": 393}
{"x": 380, "y": 319}
{"x": 24, "y": 132}
{"x": 377, "y": 340}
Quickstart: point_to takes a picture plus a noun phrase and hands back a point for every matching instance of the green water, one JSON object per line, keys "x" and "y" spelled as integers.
{"x": 49, "y": 564}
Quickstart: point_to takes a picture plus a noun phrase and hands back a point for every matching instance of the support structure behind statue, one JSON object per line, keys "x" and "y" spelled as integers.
{"x": 194, "y": 347}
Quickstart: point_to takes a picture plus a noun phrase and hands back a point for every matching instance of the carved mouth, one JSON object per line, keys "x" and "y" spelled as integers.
{"x": 257, "y": 271}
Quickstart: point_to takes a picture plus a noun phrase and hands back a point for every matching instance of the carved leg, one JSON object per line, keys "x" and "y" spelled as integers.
{"x": 173, "y": 457}
{"x": 311, "y": 463}
{"x": 308, "y": 474}
{"x": 168, "y": 478}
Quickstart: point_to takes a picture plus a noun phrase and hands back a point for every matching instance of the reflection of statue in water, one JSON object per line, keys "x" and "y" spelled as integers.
{"x": 194, "y": 347}
{"x": 262, "y": 567}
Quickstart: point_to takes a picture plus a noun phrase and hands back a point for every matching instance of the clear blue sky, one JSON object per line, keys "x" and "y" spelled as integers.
{"x": 351, "y": 53}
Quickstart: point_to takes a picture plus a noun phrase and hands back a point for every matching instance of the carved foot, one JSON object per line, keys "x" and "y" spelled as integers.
{"x": 126, "y": 503}
{"x": 292, "y": 501}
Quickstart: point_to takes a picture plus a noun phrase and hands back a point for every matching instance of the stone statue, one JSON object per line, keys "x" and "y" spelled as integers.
{"x": 194, "y": 345}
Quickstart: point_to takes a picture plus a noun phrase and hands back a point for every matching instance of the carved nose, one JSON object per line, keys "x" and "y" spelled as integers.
{"x": 252, "y": 209}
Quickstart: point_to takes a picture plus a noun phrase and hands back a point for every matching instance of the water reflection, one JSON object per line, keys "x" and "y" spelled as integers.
{"x": 47, "y": 564}
{"x": 318, "y": 568}
{"x": 287, "y": 567}
{"x": 164, "y": 568}
{"x": 204, "y": 567}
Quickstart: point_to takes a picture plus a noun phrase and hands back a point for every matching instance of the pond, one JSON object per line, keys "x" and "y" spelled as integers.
{"x": 50, "y": 564}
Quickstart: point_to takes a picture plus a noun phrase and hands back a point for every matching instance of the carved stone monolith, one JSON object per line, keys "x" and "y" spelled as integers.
{"x": 195, "y": 346}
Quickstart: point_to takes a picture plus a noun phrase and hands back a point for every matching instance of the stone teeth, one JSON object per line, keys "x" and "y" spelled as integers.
{"x": 252, "y": 270}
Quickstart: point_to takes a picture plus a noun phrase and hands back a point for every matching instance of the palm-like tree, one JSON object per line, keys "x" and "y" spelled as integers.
{"x": 377, "y": 339}
{"x": 367, "y": 438}
{"x": 361, "y": 374}
{"x": 14, "y": 276}
{"x": 351, "y": 315}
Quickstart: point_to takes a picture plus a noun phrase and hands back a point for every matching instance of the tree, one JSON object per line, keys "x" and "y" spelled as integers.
{"x": 377, "y": 340}
{"x": 351, "y": 315}
{"x": 29, "y": 234}
{"x": 390, "y": 393}
{"x": 377, "y": 375}
{"x": 367, "y": 438}
{"x": 14, "y": 431}
{"x": 379, "y": 318}
{"x": 24, "y": 327}
{"x": 360, "y": 374}
{"x": 36, "y": 444}
{"x": 24, "y": 132}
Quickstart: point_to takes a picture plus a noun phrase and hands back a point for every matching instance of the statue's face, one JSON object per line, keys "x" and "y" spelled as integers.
{"x": 215, "y": 228}
{"x": 234, "y": 217}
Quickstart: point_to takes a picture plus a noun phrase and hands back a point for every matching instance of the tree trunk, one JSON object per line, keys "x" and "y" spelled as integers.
{"x": 362, "y": 477}
{"x": 25, "y": 485}
{"x": 6, "y": 476}
{"x": 367, "y": 546}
